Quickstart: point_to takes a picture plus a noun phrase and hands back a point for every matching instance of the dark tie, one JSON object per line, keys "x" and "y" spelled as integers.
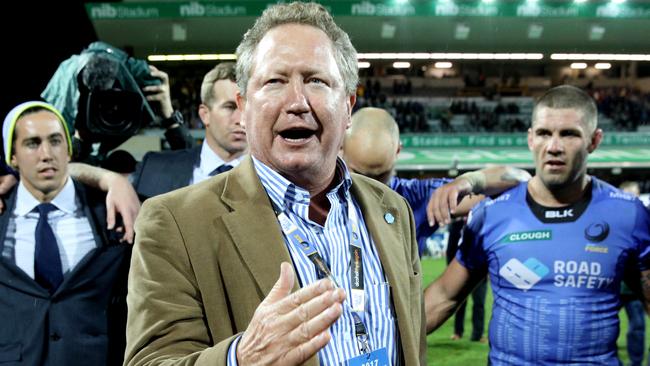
{"x": 220, "y": 169}
{"x": 47, "y": 261}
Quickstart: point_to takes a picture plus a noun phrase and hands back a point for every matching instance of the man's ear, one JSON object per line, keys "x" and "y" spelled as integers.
{"x": 204, "y": 110}
{"x": 399, "y": 147}
{"x": 530, "y": 139}
{"x": 596, "y": 138}
{"x": 350, "y": 105}
{"x": 241, "y": 106}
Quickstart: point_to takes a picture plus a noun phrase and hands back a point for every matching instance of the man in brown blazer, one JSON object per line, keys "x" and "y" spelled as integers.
{"x": 202, "y": 286}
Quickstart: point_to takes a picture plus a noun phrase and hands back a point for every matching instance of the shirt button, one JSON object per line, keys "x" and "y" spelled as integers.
{"x": 55, "y": 337}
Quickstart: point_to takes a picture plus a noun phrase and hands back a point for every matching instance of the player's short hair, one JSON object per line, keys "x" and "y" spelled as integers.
{"x": 569, "y": 97}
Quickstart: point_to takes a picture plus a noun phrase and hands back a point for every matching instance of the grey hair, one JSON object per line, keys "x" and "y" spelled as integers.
{"x": 223, "y": 71}
{"x": 311, "y": 14}
{"x": 570, "y": 97}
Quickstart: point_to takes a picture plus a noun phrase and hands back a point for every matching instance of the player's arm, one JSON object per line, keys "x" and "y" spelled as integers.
{"x": 120, "y": 198}
{"x": 444, "y": 295}
{"x": 488, "y": 181}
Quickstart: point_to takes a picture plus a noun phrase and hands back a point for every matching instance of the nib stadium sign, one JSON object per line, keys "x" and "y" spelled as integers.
{"x": 467, "y": 151}
{"x": 390, "y": 8}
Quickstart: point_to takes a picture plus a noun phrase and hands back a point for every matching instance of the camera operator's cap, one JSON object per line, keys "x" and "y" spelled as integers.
{"x": 9, "y": 125}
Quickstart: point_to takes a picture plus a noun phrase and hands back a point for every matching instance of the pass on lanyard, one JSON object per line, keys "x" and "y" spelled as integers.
{"x": 296, "y": 236}
{"x": 375, "y": 358}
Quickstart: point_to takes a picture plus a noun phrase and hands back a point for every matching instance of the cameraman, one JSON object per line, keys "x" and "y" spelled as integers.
{"x": 100, "y": 94}
{"x": 176, "y": 131}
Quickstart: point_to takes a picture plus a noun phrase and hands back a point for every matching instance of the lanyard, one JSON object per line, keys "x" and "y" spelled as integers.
{"x": 298, "y": 238}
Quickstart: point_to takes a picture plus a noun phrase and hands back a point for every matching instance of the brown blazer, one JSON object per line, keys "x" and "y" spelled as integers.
{"x": 206, "y": 256}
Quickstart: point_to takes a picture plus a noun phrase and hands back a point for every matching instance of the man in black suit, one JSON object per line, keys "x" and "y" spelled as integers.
{"x": 223, "y": 148}
{"x": 62, "y": 275}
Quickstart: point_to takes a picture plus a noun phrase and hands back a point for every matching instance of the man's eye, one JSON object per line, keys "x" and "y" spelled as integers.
{"x": 317, "y": 81}
{"x": 571, "y": 134}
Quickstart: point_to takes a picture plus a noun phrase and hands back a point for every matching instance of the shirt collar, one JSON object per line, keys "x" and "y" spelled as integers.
{"x": 65, "y": 201}
{"x": 209, "y": 160}
{"x": 281, "y": 190}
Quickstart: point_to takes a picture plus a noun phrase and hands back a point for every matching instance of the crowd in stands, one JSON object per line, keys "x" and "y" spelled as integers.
{"x": 626, "y": 108}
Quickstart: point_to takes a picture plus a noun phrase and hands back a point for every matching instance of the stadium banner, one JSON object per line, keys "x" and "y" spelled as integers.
{"x": 426, "y": 140}
{"x": 475, "y": 158}
{"x": 365, "y": 8}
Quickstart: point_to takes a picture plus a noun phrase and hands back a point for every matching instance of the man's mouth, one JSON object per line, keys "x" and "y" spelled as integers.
{"x": 239, "y": 134}
{"x": 555, "y": 163}
{"x": 297, "y": 134}
{"x": 47, "y": 171}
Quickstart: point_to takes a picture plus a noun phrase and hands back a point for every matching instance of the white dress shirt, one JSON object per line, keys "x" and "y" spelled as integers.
{"x": 69, "y": 223}
{"x": 208, "y": 162}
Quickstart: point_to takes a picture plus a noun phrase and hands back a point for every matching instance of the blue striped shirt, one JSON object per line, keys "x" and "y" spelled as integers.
{"x": 333, "y": 243}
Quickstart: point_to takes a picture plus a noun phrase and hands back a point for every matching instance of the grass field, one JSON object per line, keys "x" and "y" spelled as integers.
{"x": 441, "y": 350}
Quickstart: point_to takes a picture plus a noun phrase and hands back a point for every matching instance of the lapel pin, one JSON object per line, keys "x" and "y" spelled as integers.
{"x": 389, "y": 218}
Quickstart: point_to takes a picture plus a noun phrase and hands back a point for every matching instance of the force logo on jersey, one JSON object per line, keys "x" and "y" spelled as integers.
{"x": 597, "y": 232}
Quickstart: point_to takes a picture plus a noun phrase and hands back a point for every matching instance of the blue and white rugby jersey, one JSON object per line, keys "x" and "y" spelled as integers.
{"x": 556, "y": 273}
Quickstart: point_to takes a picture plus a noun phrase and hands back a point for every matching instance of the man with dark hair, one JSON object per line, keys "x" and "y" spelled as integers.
{"x": 62, "y": 275}
{"x": 202, "y": 287}
{"x": 223, "y": 148}
{"x": 556, "y": 249}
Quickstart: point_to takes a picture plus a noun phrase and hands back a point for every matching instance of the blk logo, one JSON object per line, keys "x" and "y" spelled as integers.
{"x": 559, "y": 214}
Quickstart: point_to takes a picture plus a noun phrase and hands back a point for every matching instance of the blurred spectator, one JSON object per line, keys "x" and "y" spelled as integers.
{"x": 223, "y": 148}
{"x": 633, "y": 306}
{"x": 371, "y": 147}
{"x": 478, "y": 295}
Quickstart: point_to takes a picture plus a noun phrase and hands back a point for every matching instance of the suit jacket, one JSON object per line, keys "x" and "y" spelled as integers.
{"x": 207, "y": 255}
{"x": 162, "y": 172}
{"x": 83, "y": 322}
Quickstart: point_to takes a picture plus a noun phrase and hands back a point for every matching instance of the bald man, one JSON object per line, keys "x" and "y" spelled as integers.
{"x": 371, "y": 147}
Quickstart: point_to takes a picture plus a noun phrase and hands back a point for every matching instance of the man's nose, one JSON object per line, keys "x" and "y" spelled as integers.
{"x": 45, "y": 151}
{"x": 236, "y": 117}
{"x": 296, "y": 99}
{"x": 555, "y": 145}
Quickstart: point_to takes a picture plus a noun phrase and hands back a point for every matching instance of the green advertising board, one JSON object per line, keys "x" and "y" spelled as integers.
{"x": 473, "y": 158}
{"x": 423, "y": 140}
{"x": 366, "y": 8}
{"x": 471, "y": 151}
